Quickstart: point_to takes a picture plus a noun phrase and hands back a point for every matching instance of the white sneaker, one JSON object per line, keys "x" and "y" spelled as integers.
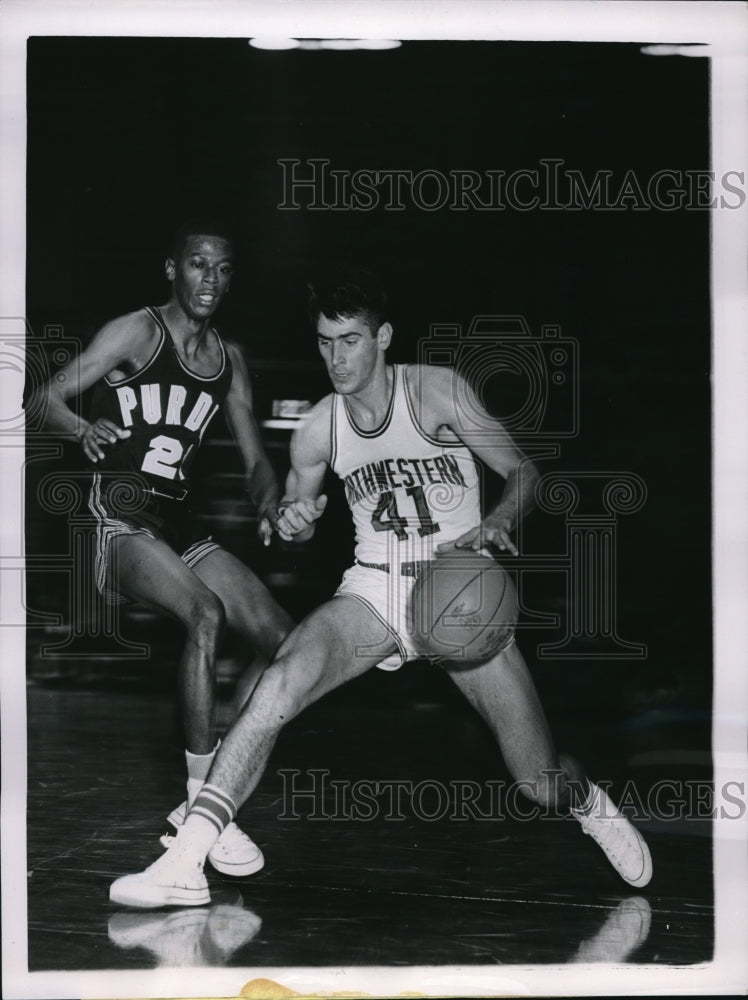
{"x": 174, "y": 939}
{"x": 621, "y": 842}
{"x": 187, "y": 937}
{"x": 625, "y": 930}
{"x": 234, "y": 853}
{"x": 229, "y": 928}
{"x": 165, "y": 883}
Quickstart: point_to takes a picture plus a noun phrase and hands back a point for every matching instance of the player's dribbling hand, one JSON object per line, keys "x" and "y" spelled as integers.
{"x": 491, "y": 531}
{"x": 99, "y": 434}
{"x": 296, "y": 516}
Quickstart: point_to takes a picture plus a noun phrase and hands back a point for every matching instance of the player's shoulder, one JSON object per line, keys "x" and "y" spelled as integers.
{"x": 236, "y": 362}
{"x": 232, "y": 349}
{"x": 130, "y": 326}
{"x": 125, "y": 340}
{"x": 430, "y": 382}
{"x": 312, "y": 437}
{"x": 321, "y": 412}
{"x": 230, "y": 345}
{"x": 316, "y": 422}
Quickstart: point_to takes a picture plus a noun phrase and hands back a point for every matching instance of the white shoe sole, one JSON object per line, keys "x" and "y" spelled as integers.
{"x": 134, "y": 890}
{"x": 239, "y": 870}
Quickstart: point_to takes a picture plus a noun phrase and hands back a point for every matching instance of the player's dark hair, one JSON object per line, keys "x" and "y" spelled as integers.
{"x": 348, "y": 293}
{"x": 199, "y": 225}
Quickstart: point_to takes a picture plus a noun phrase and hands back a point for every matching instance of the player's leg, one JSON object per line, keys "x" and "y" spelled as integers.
{"x": 257, "y": 621}
{"x": 338, "y": 641}
{"x": 148, "y": 571}
{"x": 258, "y": 626}
{"x": 504, "y": 694}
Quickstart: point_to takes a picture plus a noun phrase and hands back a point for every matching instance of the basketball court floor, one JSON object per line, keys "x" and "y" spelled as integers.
{"x": 410, "y": 880}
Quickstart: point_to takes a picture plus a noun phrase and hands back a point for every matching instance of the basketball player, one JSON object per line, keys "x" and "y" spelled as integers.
{"x": 403, "y": 445}
{"x": 159, "y": 376}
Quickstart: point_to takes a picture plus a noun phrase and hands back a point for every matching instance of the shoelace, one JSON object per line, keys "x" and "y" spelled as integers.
{"x": 233, "y": 836}
{"x": 599, "y": 828}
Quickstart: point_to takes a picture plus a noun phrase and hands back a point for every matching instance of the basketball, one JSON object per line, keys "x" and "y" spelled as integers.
{"x": 464, "y": 608}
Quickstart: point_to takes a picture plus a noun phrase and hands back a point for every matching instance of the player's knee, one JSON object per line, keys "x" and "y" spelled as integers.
{"x": 207, "y": 619}
{"x": 288, "y": 686}
{"x": 270, "y": 641}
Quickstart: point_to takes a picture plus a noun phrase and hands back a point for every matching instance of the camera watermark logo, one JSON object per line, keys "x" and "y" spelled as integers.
{"x": 528, "y": 382}
{"x": 28, "y": 362}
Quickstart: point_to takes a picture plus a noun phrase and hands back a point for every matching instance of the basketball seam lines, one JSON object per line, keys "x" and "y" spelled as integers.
{"x": 454, "y": 598}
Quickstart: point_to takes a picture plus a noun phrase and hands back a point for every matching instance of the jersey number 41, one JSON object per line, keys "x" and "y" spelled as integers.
{"x": 386, "y": 517}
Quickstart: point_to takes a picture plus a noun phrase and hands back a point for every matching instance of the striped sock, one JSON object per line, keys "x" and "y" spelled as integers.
{"x": 213, "y": 805}
{"x": 209, "y": 816}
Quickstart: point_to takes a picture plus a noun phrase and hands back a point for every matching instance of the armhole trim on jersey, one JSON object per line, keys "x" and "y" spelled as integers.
{"x": 387, "y": 417}
{"x": 334, "y": 431}
{"x": 123, "y": 381}
{"x": 224, "y": 358}
{"x": 417, "y": 423}
{"x": 221, "y": 370}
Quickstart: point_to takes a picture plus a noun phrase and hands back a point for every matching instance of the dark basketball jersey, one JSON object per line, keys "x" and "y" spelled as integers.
{"x": 166, "y": 407}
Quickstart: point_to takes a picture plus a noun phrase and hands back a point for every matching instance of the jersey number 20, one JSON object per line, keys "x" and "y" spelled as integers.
{"x": 164, "y": 456}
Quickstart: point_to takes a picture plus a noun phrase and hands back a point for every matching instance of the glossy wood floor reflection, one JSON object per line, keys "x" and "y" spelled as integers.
{"x": 390, "y": 887}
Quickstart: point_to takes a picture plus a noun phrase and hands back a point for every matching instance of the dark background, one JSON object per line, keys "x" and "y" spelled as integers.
{"x": 126, "y": 137}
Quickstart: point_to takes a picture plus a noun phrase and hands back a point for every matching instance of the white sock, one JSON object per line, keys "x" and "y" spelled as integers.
{"x": 198, "y": 766}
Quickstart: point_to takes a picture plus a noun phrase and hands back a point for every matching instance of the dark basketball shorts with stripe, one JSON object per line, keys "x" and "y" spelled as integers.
{"x": 120, "y": 509}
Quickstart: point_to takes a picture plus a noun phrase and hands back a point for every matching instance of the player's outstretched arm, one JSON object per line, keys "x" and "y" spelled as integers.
{"x": 458, "y": 408}
{"x": 262, "y": 485}
{"x": 114, "y": 345}
{"x": 303, "y": 502}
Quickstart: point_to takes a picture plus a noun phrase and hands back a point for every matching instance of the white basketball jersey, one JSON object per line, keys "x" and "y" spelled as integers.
{"x": 407, "y": 491}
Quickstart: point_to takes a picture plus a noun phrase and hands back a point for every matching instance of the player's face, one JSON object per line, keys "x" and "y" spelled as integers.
{"x": 350, "y": 351}
{"x": 202, "y": 275}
